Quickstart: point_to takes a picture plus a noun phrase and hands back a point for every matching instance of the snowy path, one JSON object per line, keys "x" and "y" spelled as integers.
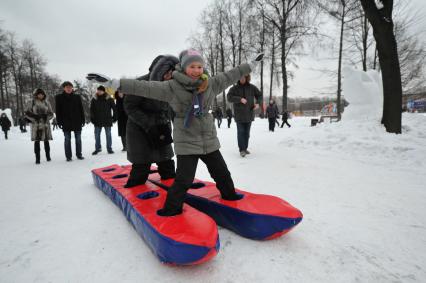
{"x": 362, "y": 192}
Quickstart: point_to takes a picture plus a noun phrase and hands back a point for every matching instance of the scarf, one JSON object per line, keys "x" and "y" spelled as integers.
{"x": 197, "y": 87}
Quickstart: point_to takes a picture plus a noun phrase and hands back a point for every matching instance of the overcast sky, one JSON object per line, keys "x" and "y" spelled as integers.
{"x": 120, "y": 38}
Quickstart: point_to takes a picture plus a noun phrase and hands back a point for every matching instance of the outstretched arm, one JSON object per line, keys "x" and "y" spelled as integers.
{"x": 222, "y": 81}
{"x": 150, "y": 89}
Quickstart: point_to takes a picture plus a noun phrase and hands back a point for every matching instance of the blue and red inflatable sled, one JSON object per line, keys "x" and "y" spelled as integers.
{"x": 192, "y": 237}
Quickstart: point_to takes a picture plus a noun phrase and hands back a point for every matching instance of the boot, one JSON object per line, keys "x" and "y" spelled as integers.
{"x": 37, "y": 151}
{"x": 138, "y": 175}
{"x": 47, "y": 150}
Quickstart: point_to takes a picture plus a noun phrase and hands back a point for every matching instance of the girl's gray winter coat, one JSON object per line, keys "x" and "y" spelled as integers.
{"x": 200, "y": 137}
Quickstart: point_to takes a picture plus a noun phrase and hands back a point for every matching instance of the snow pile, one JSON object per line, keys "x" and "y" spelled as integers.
{"x": 364, "y": 92}
{"x": 360, "y": 134}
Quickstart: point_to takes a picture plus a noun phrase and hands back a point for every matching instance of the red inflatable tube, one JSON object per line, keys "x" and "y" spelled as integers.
{"x": 186, "y": 239}
{"x": 255, "y": 216}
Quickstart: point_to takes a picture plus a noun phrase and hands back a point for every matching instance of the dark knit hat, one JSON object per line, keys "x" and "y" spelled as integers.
{"x": 101, "y": 87}
{"x": 38, "y": 91}
{"x": 189, "y": 56}
{"x": 67, "y": 83}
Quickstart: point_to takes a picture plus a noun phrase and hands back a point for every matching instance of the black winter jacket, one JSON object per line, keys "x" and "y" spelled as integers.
{"x": 102, "y": 111}
{"x": 69, "y": 111}
{"x": 244, "y": 113}
{"x": 146, "y": 117}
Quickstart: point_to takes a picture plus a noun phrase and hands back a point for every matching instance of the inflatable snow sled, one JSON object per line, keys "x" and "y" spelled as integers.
{"x": 255, "y": 216}
{"x": 186, "y": 239}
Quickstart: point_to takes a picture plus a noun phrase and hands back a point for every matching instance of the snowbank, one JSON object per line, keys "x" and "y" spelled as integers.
{"x": 364, "y": 92}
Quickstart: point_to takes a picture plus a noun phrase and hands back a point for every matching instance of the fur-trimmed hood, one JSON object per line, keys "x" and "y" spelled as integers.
{"x": 162, "y": 66}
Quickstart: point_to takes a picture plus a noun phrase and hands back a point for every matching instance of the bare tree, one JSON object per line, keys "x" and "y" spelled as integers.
{"x": 343, "y": 11}
{"x": 293, "y": 20}
{"x": 380, "y": 18}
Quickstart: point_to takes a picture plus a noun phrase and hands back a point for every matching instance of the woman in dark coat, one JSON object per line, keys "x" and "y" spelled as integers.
{"x": 39, "y": 112}
{"x": 5, "y": 124}
{"x": 121, "y": 117}
{"x": 149, "y": 128}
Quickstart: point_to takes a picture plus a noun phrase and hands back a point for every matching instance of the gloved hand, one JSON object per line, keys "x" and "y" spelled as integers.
{"x": 97, "y": 78}
{"x": 253, "y": 63}
{"x": 112, "y": 83}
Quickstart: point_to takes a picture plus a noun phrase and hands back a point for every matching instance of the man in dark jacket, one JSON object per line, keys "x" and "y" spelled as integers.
{"x": 148, "y": 120}
{"x": 219, "y": 116}
{"x": 22, "y": 124}
{"x": 5, "y": 124}
{"x": 229, "y": 116}
{"x": 246, "y": 98}
{"x": 272, "y": 114}
{"x": 102, "y": 115}
{"x": 285, "y": 119}
{"x": 121, "y": 117}
{"x": 70, "y": 118}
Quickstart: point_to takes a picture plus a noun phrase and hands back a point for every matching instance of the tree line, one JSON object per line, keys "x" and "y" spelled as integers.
{"x": 22, "y": 70}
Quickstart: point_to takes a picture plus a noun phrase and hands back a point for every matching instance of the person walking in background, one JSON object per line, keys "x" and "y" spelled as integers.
{"x": 246, "y": 98}
{"x": 121, "y": 117}
{"x": 219, "y": 116}
{"x": 39, "y": 112}
{"x": 102, "y": 115}
{"x": 22, "y": 124}
{"x": 285, "y": 119}
{"x": 70, "y": 118}
{"x": 5, "y": 124}
{"x": 229, "y": 116}
{"x": 55, "y": 123}
{"x": 272, "y": 114}
{"x": 149, "y": 119}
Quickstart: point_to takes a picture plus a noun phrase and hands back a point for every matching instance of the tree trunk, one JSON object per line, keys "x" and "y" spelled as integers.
{"x": 364, "y": 43}
{"x": 383, "y": 31}
{"x": 339, "y": 68}
{"x": 1, "y": 87}
{"x": 272, "y": 66}
{"x": 262, "y": 65}
{"x": 222, "y": 57}
{"x": 283, "y": 58}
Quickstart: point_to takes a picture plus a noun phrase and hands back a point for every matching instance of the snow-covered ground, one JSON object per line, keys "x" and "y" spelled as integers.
{"x": 362, "y": 192}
